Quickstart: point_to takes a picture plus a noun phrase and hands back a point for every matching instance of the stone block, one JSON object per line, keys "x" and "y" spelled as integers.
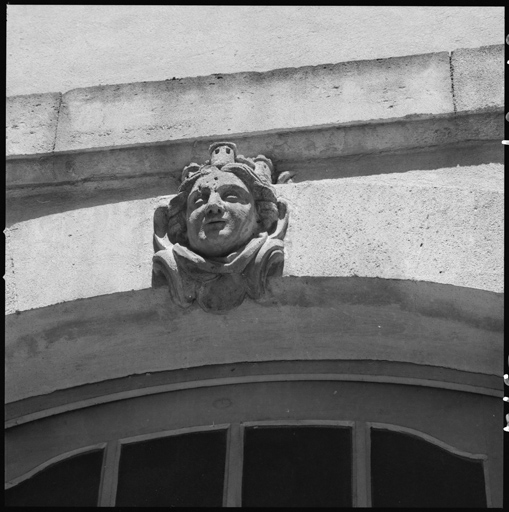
{"x": 478, "y": 77}
{"x": 215, "y": 106}
{"x": 31, "y": 123}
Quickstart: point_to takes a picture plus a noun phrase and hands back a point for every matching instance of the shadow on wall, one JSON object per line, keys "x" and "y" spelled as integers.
{"x": 428, "y": 159}
{"x": 325, "y": 318}
{"x": 132, "y": 174}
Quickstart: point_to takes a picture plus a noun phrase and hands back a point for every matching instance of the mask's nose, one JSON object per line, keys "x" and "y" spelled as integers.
{"x": 215, "y": 204}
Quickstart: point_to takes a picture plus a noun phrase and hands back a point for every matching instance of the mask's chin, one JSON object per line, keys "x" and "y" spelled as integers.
{"x": 217, "y": 246}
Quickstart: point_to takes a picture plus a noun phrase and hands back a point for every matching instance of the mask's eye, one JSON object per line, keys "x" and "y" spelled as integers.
{"x": 198, "y": 201}
{"x": 231, "y": 197}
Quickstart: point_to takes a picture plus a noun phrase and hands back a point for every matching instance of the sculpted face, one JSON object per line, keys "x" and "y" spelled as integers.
{"x": 221, "y": 214}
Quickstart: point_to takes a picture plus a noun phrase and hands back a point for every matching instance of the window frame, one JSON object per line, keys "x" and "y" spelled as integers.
{"x": 109, "y": 477}
{"x": 54, "y": 460}
{"x": 437, "y": 442}
{"x": 235, "y": 432}
{"x": 232, "y": 483}
{"x": 266, "y": 374}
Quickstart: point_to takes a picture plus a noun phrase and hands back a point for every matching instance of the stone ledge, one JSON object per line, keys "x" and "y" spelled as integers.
{"x": 478, "y": 77}
{"x": 280, "y": 100}
{"x": 299, "y": 152}
{"x": 318, "y": 112}
{"x": 225, "y": 105}
{"x": 31, "y": 124}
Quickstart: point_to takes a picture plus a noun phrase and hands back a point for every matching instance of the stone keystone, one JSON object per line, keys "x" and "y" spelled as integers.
{"x": 221, "y": 237}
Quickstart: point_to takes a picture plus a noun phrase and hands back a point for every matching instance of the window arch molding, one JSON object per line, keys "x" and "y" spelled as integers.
{"x": 242, "y": 373}
{"x": 303, "y": 387}
{"x": 54, "y": 460}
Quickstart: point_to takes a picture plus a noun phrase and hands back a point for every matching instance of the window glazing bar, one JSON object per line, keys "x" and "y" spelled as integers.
{"x": 109, "y": 476}
{"x": 233, "y": 471}
{"x": 361, "y": 465}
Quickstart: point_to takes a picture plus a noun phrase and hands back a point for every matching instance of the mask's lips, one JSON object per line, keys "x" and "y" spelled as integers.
{"x": 215, "y": 225}
{"x": 215, "y": 221}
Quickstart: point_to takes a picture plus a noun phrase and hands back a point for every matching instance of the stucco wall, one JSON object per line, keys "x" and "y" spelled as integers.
{"x": 394, "y": 251}
{"x": 87, "y": 169}
{"x": 443, "y": 226}
{"x": 61, "y": 47}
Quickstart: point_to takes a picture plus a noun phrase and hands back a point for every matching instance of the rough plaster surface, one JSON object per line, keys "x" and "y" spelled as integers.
{"x": 444, "y": 226}
{"x": 109, "y": 44}
{"x": 306, "y": 319}
{"x": 279, "y": 100}
{"x": 9, "y": 280}
{"x": 31, "y": 124}
{"x": 478, "y": 77}
{"x": 84, "y": 252}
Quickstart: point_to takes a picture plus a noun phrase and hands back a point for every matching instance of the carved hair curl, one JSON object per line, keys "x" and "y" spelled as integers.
{"x": 263, "y": 193}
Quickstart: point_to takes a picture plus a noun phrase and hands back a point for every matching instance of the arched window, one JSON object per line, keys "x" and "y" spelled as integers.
{"x": 294, "y": 465}
{"x": 295, "y": 443}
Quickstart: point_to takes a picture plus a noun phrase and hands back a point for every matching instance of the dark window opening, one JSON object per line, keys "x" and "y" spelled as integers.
{"x": 73, "y": 482}
{"x": 176, "y": 471}
{"x": 409, "y": 472}
{"x": 297, "y": 467}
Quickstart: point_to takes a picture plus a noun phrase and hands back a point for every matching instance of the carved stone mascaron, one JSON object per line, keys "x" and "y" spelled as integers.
{"x": 221, "y": 237}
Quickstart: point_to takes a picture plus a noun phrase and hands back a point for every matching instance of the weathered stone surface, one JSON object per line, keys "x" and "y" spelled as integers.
{"x": 83, "y": 252}
{"x": 443, "y": 226}
{"x": 307, "y": 319}
{"x": 10, "y": 284}
{"x": 283, "y": 99}
{"x": 478, "y": 77}
{"x": 320, "y": 97}
{"x": 31, "y": 123}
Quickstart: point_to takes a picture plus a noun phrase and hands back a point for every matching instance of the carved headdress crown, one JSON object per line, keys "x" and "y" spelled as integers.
{"x": 256, "y": 173}
{"x": 224, "y": 154}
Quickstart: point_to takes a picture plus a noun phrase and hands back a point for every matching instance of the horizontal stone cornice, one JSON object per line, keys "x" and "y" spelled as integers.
{"x": 349, "y": 108}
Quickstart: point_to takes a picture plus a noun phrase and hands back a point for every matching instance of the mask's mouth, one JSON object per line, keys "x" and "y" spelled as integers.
{"x": 216, "y": 223}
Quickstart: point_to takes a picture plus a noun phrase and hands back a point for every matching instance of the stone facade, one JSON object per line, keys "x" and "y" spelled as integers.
{"x": 387, "y": 214}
